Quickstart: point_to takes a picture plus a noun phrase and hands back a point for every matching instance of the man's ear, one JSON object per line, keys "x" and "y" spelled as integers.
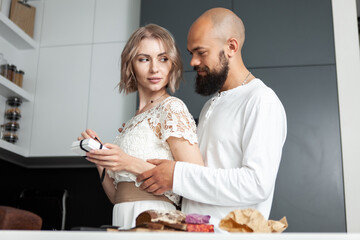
{"x": 232, "y": 47}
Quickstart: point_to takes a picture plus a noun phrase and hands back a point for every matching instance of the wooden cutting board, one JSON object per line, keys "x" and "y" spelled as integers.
{"x": 23, "y": 16}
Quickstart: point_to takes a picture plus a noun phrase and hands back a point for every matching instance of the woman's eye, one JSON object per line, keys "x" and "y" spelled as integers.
{"x": 143, "y": 59}
{"x": 164, "y": 59}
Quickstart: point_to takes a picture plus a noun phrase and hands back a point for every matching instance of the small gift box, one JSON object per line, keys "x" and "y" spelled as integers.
{"x": 85, "y": 145}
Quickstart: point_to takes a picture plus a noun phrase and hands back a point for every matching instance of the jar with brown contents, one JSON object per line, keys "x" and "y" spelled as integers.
{"x": 13, "y": 114}
{"x": 10, "y": 137}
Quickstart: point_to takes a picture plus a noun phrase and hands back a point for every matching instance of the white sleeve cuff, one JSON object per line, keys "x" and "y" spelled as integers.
{"x": 177, "y": 178}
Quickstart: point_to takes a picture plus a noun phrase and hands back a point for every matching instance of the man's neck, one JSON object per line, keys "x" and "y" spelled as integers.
{"x": 237, "y": 78}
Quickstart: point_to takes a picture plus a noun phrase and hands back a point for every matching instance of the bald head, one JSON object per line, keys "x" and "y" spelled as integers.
{"x": 221, "y": 23}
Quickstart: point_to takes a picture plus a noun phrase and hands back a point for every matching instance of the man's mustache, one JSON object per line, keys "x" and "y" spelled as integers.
{"x": 204, "y": 69}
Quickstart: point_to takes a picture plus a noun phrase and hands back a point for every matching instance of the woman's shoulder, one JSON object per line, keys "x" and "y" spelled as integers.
{"x": 174, "y": 104}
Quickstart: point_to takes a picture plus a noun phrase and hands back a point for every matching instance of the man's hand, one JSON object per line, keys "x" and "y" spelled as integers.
{"x": 159, "y": 179}
{"x": 121, "y": 129}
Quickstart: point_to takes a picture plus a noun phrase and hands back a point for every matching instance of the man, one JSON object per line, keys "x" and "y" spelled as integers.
{"x": 241, "y": 130}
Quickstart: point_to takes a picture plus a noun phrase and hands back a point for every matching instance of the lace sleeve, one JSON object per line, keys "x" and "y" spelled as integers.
{"x": 176, "y": 121}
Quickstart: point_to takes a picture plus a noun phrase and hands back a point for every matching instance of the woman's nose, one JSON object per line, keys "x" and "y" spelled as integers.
{"x": 154, "y": 67}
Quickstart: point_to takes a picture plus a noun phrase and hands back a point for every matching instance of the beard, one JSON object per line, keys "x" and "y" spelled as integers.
{"x": 213, "y": 81}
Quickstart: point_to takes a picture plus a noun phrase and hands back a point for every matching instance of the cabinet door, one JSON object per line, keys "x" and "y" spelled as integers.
{"x": 61, "y": 100}
{"x": 108, "y": 109}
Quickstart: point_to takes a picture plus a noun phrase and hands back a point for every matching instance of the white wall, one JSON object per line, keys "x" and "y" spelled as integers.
{"x": 348, "y": 75}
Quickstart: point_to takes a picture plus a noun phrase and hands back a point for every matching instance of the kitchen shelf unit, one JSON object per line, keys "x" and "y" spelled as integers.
{"x": 17, "y": 38}
{"x": 13, "y": 148}
{"x": 15, "y": 35}
{"x": 10, "y": 89}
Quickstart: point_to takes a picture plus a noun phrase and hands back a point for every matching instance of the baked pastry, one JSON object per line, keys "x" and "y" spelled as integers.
{"x": 157, "y": 216}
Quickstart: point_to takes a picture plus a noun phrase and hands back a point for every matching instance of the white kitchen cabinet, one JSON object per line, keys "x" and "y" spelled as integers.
{"x": 74, "y": 70}
{"x": 61, "y": 100}
{"x": 108, "y": 109}
{"x": 21, "y": 50}
{"x": 67, "y": 22}
{"x": 116, "y": 20}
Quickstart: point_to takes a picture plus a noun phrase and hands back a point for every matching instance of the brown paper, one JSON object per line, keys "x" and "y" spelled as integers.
{"x": 251, "y": 220}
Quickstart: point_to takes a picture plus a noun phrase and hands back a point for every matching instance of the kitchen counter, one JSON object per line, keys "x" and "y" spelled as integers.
{"x": 92, "y": 235}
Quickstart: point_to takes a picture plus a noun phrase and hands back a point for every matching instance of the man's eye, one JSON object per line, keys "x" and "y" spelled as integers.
{"x": 201, "y": 53}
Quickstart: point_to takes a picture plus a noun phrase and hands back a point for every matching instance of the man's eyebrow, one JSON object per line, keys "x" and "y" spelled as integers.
{"x": 195, "y": 49}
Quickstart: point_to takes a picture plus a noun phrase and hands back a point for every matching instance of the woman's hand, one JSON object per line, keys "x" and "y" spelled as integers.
{"x": 88, "y": 133}
{"x": 115, "y": 159}
{"x": 112, "y": 158}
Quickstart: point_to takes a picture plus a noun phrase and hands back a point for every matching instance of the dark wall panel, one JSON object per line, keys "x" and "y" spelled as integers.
{"x": 309, "y": 187}
{"x": 287, "y": 32}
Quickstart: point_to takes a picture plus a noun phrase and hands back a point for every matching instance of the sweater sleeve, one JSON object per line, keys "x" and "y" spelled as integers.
{"x": 251, "y": 183}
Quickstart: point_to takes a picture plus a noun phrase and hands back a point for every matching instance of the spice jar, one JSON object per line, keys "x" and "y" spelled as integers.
{"x": 19, "y": 75}
{"x": 11, "y": 126}
{"x": 11, "y": 72}
{"x": 12, "y": 115}
{"x": 14, "y": 102}
{"x": 10, "y": 137}
{"x": 3, "y": 66}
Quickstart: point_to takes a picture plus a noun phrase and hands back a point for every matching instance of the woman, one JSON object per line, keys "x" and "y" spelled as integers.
{"x": 162, "y": 127}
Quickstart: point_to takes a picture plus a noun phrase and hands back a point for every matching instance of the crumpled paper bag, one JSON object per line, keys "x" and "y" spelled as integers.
{"x": 251, "y": 220}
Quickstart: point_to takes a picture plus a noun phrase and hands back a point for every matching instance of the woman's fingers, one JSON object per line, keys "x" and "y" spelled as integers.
{"x": 101, "y": 163}
{"x": 84, "y": 134}
{"x": 111, "y": 146}
{"x": 92, "y": 133}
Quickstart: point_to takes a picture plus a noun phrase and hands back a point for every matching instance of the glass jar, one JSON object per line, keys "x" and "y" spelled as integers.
{"x": 19, "y": 75}
{"x": 12, "y": 115}
{"x": 3, "y": 66}
{"x": 11, "y": 73}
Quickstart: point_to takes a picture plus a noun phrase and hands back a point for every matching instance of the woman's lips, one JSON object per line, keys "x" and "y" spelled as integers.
{"x": 154, "y": 80}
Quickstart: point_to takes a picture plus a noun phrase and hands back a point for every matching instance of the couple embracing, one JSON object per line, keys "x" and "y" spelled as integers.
{"x": 229, "y": 161}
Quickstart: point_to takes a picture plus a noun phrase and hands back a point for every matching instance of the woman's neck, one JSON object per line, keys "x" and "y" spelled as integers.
{"x": 150, "y": 99}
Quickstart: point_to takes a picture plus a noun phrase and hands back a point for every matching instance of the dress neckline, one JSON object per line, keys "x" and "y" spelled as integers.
{"x": 136, "y": 115}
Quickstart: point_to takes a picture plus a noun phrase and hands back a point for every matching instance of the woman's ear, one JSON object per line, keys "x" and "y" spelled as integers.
{"x": 232, "y": 47}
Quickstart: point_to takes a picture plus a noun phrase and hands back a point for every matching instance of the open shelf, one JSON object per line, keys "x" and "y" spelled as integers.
{"x": 10, "y": 89}
{"x": 15, "y": 35}
{"x": 13, "y": 148}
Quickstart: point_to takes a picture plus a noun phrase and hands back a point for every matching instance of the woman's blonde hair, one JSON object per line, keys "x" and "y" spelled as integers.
{"x": 128, "y": 82}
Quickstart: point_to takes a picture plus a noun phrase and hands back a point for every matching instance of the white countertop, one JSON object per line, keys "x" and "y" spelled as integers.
{"x": 92, "y": 235}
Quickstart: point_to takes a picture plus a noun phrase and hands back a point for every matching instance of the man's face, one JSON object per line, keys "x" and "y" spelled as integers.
{"x": 208, "y": 59}
{"x": 211, "y": 81}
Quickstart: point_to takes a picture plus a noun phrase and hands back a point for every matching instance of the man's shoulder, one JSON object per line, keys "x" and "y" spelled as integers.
{"x": 260, "y": 91}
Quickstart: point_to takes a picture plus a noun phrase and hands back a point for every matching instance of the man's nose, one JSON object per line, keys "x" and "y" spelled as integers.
{"x": 194, "y": 61}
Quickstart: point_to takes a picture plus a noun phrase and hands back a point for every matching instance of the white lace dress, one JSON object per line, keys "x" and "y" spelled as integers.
{"x": 144, "y": 136}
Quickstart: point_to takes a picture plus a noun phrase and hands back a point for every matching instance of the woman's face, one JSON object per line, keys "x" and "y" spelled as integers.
{"x": 151, "y": 66}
